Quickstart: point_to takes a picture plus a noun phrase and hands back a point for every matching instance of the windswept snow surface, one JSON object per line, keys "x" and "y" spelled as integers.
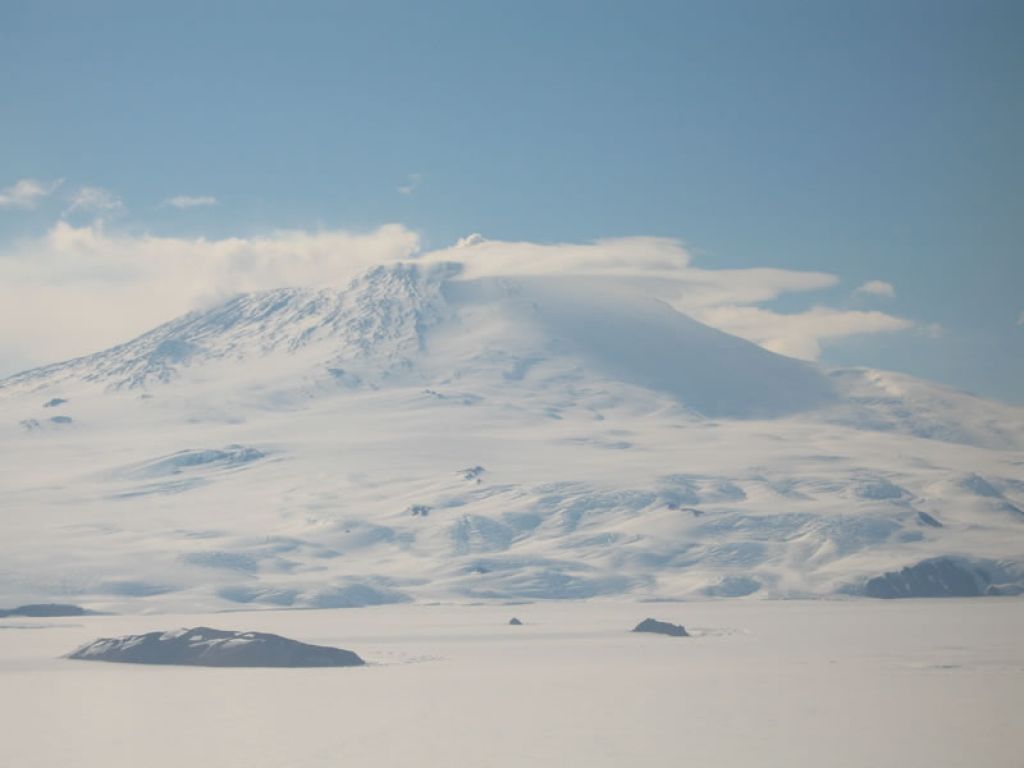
{"x": 794, "y": 684}
{"x": 429, "y": 434}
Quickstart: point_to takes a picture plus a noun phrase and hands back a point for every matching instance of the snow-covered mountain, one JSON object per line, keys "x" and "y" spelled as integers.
{"x": 423, "y": 434}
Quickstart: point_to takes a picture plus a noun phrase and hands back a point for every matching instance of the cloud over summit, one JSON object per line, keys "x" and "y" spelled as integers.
{"x": 123, "y": 283}
{"x": 729, "y": 299}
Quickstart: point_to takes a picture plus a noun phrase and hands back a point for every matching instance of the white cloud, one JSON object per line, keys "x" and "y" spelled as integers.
{"x": 727, "y": 299}
{"x": 879, "y": 288}
{"x": 411, "y": 184}
{"x": 94, "y": 200}
{"x": 25, "y": 193}
{"x": 470, "y": 240}
{"x": 630, "y": 255}
{"x": 801, "y": 334}
{"x": 190, "y": 201}
{"x": 659, "y": 265}
{"x": 78, "y": 289}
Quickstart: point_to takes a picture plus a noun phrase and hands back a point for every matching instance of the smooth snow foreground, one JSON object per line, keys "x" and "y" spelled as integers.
{"x": 760, "y": 683}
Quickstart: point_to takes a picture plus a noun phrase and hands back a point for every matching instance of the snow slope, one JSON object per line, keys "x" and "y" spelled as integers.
{"x": 428, "y": 434}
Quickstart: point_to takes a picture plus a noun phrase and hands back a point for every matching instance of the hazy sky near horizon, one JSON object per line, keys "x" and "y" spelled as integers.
{"x": 879, "y": 142}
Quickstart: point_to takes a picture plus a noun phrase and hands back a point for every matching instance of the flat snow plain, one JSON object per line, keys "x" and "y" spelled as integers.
{"x": 761, "y": 683}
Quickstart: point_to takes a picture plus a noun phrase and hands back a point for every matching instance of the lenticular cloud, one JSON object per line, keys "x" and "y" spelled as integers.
{"x": 125, "y": 283}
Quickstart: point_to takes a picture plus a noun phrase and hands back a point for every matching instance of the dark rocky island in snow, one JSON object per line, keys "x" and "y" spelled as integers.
{"x": 514, "y": 622}
{"x": 44, "y": 610}
{"x": 661, "y": 628}
{"x": 205, "y": 647}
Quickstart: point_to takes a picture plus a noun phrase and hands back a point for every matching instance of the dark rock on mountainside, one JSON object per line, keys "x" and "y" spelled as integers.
{"x": 938, "y": 577}
{"x": 661, "y": 628}
{"x": 205, "y": 647}
{"x": 45, "y": 610}
{"x": 514, "y": 622}
{"x": 1004, "y": 590}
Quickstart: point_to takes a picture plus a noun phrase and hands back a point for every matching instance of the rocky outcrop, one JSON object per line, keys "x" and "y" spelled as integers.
{"x": 205, "y": 647}
{"x": 514, "y": 622}
{"x": 937, "y": 577}
{"x": 661, "y": 628}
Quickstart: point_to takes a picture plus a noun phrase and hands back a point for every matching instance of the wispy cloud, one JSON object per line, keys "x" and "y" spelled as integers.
{"x": 94, "y": 200}
{"x": 470, "y": 240}
{"x": 127, "y": 283}
{"x": 413, "y": 181}
{"x": 728, "y": 299}
{"x": 190, "y": 201}
{"x": 25, "y": 193}
{"x": 801, "y": 334}
{"x": 878, "y": 288}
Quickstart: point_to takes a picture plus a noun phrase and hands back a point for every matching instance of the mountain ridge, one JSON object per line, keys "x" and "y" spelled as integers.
{"x": 308, "y": 448}
{"x": 387, "y": 300}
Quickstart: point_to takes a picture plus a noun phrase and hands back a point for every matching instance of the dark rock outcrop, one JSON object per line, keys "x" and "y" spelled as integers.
{"x": 938, "y": 577}
{"x": 514, "y": 622}
{"x": 45, "y": 610}
{"x": 1003, "y": 590}
{"x": 661, "y": 628}
{"x": 205, "y": 647}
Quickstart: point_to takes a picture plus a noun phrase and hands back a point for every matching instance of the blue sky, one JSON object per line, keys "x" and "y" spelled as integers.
{"x": 877, "y": 141}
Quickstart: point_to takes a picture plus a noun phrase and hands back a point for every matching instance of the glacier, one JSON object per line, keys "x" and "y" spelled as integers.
{"x": 426, "y": 433}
